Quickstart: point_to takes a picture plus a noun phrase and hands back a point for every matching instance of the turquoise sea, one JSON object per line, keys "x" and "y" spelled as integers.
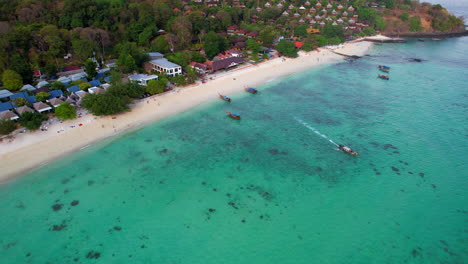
{"x": 272, "y": 188}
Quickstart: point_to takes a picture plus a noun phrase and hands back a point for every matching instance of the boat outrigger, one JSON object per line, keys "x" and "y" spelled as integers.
{"x": 235, "y": 116}
{"x": 347, "y": 150}
{"x": 385, "y": 77}
{"x": 251, "y": 90}
{"x": 225, "y": 98}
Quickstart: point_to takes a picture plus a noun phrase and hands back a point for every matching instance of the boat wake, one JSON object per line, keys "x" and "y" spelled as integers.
{"x": 314, "y": 130}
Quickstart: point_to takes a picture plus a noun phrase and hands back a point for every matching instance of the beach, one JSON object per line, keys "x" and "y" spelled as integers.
{"x": 33, "y": 149}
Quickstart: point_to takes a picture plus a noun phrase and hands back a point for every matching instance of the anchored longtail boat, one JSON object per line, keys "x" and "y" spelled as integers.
{"x": 347, "y": 150}
{"x": 232, "y": 115}
{"x": 224, "y": 98}
{"x": 251, "y": 90}
{"x": 384, "y": 67}
{"x": 384, "y": 70}
{"x": 384, "y": 77}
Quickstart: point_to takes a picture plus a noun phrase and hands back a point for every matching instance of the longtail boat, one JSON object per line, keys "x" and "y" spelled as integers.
{"x": 224, "y": 98}
{"x": 385, "y": 77}
{"x": 436, "y": 39}
{"x": 347, "y": 150}
{"x": 384, "y": 67}
{"x": 251, "y": 90}
{"x": 421, "y": 39}
{"x": 384, "y": 70}
{"x": 235, "y": 116}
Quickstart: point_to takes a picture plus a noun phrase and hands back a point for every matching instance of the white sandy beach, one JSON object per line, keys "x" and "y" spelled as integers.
{"x": 32, "y": 149}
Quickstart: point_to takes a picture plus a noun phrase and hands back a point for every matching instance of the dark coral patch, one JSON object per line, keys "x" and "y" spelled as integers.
{"x": 93, "y": 255}
{"x": 117, "y": 228}
{"x": 421, "y": 175}
{"x": 395, "y": 169}
{"x": 273, "y": 151}
{"x": 57, "y": 207}
{"x": 74, "y": 202}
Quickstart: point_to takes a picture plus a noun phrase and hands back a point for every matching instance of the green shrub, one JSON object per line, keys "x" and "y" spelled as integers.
{"x": 7, "y": 126}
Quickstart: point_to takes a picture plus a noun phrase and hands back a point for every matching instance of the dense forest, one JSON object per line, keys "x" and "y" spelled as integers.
{"x": 51, "y": 34}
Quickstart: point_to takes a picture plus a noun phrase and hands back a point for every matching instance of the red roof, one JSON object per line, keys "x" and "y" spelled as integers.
{"x": 298, "y": 44}
{"x": 37, "y": 73}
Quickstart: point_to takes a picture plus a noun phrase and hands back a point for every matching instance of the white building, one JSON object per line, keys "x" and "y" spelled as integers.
{"x": 142, "y": 79}
{"x": 164, "y": 66}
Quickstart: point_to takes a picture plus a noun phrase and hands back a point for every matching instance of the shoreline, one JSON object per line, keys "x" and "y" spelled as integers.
{"x": 38, "y": 148}
{"x": 429, "y": 35}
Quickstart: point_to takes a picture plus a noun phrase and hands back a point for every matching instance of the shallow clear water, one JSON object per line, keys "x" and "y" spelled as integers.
{"x": 271, "y": 188}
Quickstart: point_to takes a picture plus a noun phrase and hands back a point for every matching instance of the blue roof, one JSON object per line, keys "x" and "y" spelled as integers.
{"x": 18, "y": 95}
{"x": 6, "y": 106}
{"x": 74, "y": 88}
{"x": 95, "y": 83}
{"x": 100, "y": 75}
{"x": 31, "y": 99}
{"x": 107, "y": 79}
{"x": 55, "y": 93}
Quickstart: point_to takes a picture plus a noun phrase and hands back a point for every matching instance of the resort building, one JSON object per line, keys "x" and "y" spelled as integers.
{"x": 55, "y": 102}
{"x": 23, "y": 109}
{"x": 8, "y": 115}
{"x": 164, "y": 66}
{"x": 5, "y": 94}
{"x": 41, "y": 107}
{"x": 28, "y": 87}
{"x": 142, "y": 79}
{"x": 96, "y": 90}
{"x": 155, "y": 55}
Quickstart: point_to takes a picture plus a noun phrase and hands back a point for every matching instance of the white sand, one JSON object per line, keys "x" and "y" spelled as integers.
{"x": 32, "y": 149}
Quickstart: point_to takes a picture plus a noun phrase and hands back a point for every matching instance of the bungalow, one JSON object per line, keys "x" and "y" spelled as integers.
{"x": 318, "y": 5}
{"x": 105, "y": 86}
{"x": 96, "y": 90}
{"x": 350, "y": 8}
{"x": 297, "y": 15}
{"x": 226, "y": 63}
{"x": 78, "y": 76}
{"x": 142, "y": 79}
{"x": 74, "y": 88}
{"x": 345, "y": 14}
{"x": 64, "y": 79}
{"x": 5, "y": 94}
{"x": 95, "y": 83}
{"x": 28, "y": 87}
{"x": 42, "y": 84}
{"x": 19, "y": 95}
{"x": 307, "y": 3}
{"x": 291, "y": 7}
{"x": 55, "y": 94}
{"x": 70, "y": 100}
{"x": 340, "y": 7}
{"x": 301, "y": 21}
{"x": 267, "y": 4}
{"x": 199, "y": 67}
{"x": 55, "y": 102}
{"x": 329, "y": 6}
{"x": 302, "y": 8}
{"x": 8, "y": 115}
{"x": 258, "y": 9}
{"x": 164, "y": 66}
{"x": 312, "y": 10}
{"x": 279, "y": 5}
{"x": 23, "y": 109}
{"x": 41, "y": 107}
{"x": 235, "y": 53}
{"x": 252, "y": 34}
{"x": 285, "y": 13}
{"x": 6, "y": 106}
{"x": 81, "y": 94}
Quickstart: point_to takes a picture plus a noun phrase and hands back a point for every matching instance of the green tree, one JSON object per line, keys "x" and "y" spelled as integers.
{"x": 268, "y": 35}
{"x": 84, "y": 86}
{"x": 191, "y": 74}
{"x": 155, "y": 86}
{"x": 32, "y": 121}
{"x": 105, "y": 104}
{"x": 20, "y": 65}
{"x": 65, "y": 111}
{"x": 90, "y": 68}
{"x": 415, "y": 24}
{"x": 42, "y": 96}
{"x": 404, "y": 16}
{"x": 58, "y": 86}
{"x": 254, "y": 47}
{"x": 286, "y": 48}
{"x": 7, "y": 126}
{"x": 126, "y": 63}
{"x": 300, "y": 30}
{"x": 20, "y": 101}
{"x": 128, "y": 90}
{"x": 214, "y": 44}
{"x": 160, "y": 44}
{"x": 49, "y": 70}
{"x": 12, "y": 80}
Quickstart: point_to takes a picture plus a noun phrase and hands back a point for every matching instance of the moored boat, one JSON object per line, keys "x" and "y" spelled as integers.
{"x": 384, "y": 77}
{"x": 251, "y": 90}
{"x": 436, "y": 39}
{"x": 421, "y": 39}
{"x": 235, "y": 116}
{"x": 384, "y": 67}
{"x": 347, "y": 150}
{"x": 384, "y": 70}
{"x": 225, "y": 98}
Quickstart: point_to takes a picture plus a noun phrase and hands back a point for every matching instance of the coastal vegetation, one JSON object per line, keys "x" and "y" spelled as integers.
{"x": 7, "y": 126}
{"x": 32, "y": 121}
{"x": 65, "y": 111}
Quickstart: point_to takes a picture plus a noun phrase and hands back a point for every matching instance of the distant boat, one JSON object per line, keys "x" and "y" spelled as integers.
{"x": 225, "y": 98}
{"x": 384, "y": 70}
{"x": 436, "y": 39}
{"x": 350, "y": 59}
{"x": 421, "y": 39}
{"x": 235, "y": 116}
{"x": 251, "y": 90}
{"x": 384, "y": 67}
{"x": 347, "y": 150}
{"x": 384, "y": 77}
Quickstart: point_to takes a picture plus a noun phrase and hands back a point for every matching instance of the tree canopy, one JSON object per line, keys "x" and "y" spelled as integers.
{"x": 65, "y": 111}
{"x": 31, "y": 121}
{"x": 287, "y": 48}
{"x": 12, "y": 80}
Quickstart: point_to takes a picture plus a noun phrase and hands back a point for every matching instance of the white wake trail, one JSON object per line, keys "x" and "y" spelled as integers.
{"x": 314, "y": 130}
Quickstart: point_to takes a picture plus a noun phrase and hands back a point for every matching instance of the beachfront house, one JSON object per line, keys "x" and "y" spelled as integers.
{"x": 96, "y": 90}
{"x": 41, "y": 107}
{"x": 199, "y": 67}
{"x": 8, "y": 115}
{"x": 28, "y": 87}
{"x": 142, "y": 79}
{"x": 5, "y": 94}
{"x": 55, "y": 102}
{"x": 226, "y": 63}
{"x": 163, "y": 66}
{"x": 23, "y": 109}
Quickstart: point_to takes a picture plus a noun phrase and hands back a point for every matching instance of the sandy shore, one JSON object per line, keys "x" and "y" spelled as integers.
{"x": 33, "y": 149}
